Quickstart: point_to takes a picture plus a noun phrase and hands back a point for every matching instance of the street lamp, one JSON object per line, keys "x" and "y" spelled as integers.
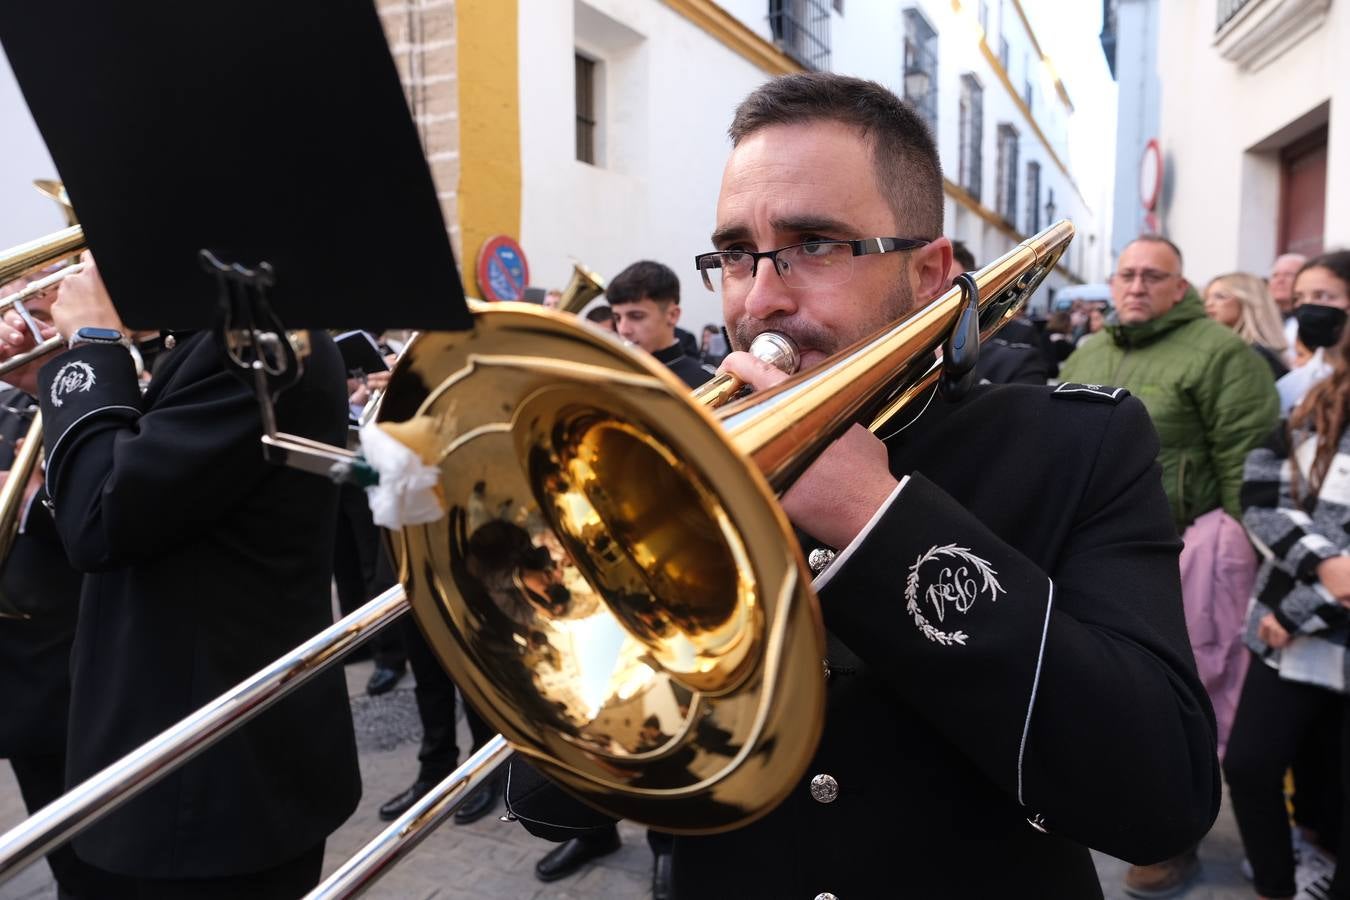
{"x": 916, "y": 82}
{"x": 1050, "y": 208}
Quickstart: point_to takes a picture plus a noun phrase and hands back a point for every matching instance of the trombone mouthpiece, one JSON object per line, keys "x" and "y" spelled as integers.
{"x": 778, "y": 350}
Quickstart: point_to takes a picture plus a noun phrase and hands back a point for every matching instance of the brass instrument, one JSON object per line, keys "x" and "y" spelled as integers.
{"x": 583, "y": 287}
{"x": 35, "y": 255}
{"x": 625, "y": 602}
{"x": 14, "y": 263}
{"x": 778, "y": 350}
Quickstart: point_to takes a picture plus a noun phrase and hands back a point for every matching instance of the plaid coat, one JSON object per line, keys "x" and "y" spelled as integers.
{"x": 1295, "y": 538}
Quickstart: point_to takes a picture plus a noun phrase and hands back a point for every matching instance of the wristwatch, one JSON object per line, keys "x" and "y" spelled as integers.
{"x": 91, "y": 335}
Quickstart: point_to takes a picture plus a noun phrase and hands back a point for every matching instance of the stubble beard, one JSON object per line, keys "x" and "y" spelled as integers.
{"x": 812, "y": 336}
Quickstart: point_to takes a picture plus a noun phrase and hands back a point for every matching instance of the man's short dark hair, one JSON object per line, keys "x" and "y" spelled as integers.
{"x": 1150, "y": 238}
{"x": 961, "y": 253}
{"x": 903, "y": 151}
{"x": 601, "y": 313}
{"x": 645, "y": 278}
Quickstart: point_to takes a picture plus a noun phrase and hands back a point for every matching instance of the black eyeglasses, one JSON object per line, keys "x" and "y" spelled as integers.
{"x": 807, "y": 265}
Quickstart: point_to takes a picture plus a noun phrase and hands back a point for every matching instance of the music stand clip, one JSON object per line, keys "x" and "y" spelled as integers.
{"x": 269, "y": 359}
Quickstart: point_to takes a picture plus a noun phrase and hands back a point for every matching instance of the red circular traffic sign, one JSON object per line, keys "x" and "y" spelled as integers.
{"x": 502, "y": 270}
{"x": 1151, "y": 175}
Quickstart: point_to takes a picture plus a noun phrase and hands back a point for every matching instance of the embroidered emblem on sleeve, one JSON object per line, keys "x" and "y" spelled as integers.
{"x": 947, "y": 581}
{"x": 1094, "y": 393}
{"x": 72, "y": 378}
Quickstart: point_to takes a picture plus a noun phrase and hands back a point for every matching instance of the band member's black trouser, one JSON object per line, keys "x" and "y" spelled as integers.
{"x": 361, "y": 569}
{"x": 41, "y": 780}
{"x": 435, "y": 695}
{"x": 1274, "y": 719}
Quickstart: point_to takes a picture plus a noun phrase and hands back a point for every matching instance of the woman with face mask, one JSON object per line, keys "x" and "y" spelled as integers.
{"x": 1296, "y": 500}
{"x": 1321, "y": 301}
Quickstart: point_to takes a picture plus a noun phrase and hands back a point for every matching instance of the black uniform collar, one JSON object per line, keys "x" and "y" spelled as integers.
{"x": 670, "y": 354}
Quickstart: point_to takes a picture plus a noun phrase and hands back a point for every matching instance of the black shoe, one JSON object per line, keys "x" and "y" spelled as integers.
{"x": 382, "y": 681}
{"x": 403, "y": 802}
{"x": 482, "y": 801}
{"x": 571, "y": 855}
{"x": 662, "y": 881}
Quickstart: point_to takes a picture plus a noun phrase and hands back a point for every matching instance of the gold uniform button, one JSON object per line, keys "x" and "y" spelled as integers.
{"x": 824, "y": 789}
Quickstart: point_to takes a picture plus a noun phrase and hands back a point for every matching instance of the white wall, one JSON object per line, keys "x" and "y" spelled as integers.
{"x": 671, "y": 90}
{"x": 24, "y": 213}
{"x": 1217, "y": 123}
{"x": 1137, "y": 71}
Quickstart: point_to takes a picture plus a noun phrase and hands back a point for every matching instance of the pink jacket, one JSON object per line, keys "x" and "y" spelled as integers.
{"x": 1218, "y": 571}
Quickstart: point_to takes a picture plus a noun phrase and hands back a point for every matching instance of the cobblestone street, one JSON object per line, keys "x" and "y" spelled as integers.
{"x": 494, "y": 859}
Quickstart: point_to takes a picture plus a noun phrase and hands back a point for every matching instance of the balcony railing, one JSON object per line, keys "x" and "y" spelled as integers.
{"x": 801, "y": 28}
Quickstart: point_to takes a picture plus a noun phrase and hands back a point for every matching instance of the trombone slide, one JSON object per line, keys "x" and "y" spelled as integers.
{"x": 165, "y": 752}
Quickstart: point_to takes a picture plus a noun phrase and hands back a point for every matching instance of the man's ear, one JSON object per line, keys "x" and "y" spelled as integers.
{"x": 673, "y": 313}
{"x": 932, "y": 265}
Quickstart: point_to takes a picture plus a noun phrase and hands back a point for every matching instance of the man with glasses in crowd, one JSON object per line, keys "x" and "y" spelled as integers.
{"x": 1008, "y": 675}
{"x": 1212, "y": 400}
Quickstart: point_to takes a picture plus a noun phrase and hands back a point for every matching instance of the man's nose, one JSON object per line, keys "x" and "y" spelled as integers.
{"x": 768, "y": 294}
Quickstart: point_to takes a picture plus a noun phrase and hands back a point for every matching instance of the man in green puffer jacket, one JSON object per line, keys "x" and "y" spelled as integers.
{"x": 1212, "y": 399}
{"x": 1209, "y": 395}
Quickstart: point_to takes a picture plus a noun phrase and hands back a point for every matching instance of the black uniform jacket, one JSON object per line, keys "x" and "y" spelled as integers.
{"x": 1006, "y": 643}
{"x": 1002, "y": 362}
{"x": 686, "y": 368}
{"x": 204, "y": 564}
{"x": 34, "y": 652}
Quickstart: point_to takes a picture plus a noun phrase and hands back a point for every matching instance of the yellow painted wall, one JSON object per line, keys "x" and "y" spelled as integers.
{"x": 489, "y": 125}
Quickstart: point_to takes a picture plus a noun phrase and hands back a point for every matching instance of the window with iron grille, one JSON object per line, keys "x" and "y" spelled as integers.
{"x": 970, "y": 161}
{"x": 801, "y": 29}
{"x": 1003, "y": 49}
{"x": 586, "y": 111}
{"x": 920, "y": 72}
{"x": 1005, "y": 199}
{"x": 1027, "y": 95}
{"x": 1033, "y": 197}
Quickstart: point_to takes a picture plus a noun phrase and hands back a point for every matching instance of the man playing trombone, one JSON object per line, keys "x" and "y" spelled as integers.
{"x": 1009, "y": 679}
{"x": 202, "y": 563}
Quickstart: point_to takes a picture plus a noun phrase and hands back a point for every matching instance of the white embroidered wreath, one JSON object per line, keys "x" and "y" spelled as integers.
{"x": 986, "y": 571}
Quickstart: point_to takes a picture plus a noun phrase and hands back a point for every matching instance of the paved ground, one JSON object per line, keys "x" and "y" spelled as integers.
{"x": 493, "y": 859}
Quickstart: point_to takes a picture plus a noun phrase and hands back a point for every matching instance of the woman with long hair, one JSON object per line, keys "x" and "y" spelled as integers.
{"x": 1242, "y": 302}
{"x": 1320, "y": 305}
{"x": 1296, "y": 496}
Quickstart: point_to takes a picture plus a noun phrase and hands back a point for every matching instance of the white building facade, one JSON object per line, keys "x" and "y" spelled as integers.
{"x": 27, "y": 214}
{"x": 1255, "y": 130}
{"x": 594, "y": 131}
{"x": 664, "y": 78}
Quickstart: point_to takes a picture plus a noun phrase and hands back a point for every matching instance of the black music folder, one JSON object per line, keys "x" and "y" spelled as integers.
{"x": 360, "y": 354}
{"x": 259, "y": 130}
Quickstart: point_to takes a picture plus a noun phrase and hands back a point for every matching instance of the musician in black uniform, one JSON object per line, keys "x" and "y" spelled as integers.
{"x": 203, "y": 563}
{"x": 41, "y": 594}
{"x": 645, "y": 298}
{"x": 1009, "y": 679}
{"x": 1003, "y": 359}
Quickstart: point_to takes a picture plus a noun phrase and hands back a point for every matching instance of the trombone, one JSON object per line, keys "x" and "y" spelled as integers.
{"x": 666, "y": 511}
{"x": 14, "y": 263}
{"x": 26, "y": 258}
